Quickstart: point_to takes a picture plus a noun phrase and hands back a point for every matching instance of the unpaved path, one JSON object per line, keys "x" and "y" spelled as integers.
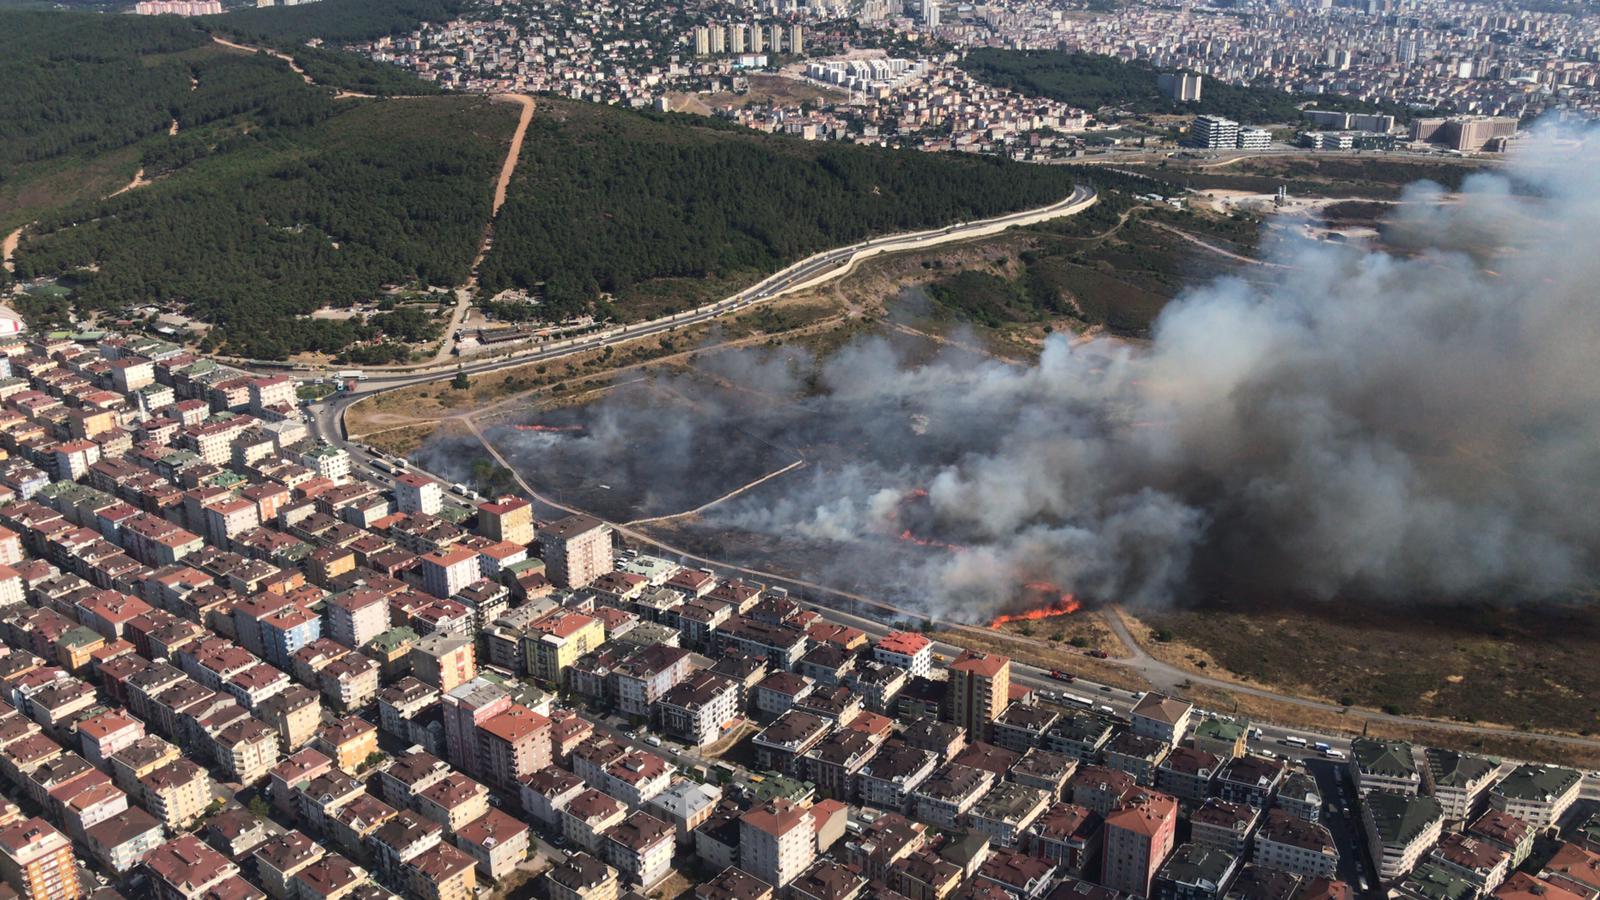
{"x": 508, "y": 168}
{"x": 339, "y": 93}
{"x": 8, "y": 248}
{"x": 137, "y": 182}
{"x": 276, "y": 54}
{"x": 1214, "y": 248}
{"x": 510, "y": 165}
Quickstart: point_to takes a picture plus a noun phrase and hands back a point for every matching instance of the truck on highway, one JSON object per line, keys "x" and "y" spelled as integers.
{"x": 1060, "y": 675}
{"x": 351, "y": 375}
{"x": 1322, "y": 746}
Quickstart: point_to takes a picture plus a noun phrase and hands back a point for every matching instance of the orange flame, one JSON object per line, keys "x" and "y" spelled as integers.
{"x": 910, "y": 538}
{"x": 1063, "y": 605}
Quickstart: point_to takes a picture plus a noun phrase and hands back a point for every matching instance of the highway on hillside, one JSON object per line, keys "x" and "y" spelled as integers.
{"x": 809, "y": 272}
{"x": 327, "y": 417}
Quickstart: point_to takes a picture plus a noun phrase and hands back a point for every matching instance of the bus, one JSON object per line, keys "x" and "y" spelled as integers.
{"x": 1294, "y": 741}
{"x": 1075, "y": 700}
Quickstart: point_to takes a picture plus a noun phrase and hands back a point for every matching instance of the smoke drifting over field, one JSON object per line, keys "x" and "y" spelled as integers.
{"x": 1370, "y": 426}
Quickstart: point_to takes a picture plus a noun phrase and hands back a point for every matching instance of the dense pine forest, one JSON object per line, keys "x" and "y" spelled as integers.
{"x": 84, "y": 84}
{"x": 607, "y": 201}
{"x": 273, "y": 199}
{"x": 336, "y": 22}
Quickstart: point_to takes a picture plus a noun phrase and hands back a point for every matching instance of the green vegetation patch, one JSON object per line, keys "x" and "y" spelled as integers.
{"x": 77, "y": 85}
{"x": 1094, "y": 82}
{"x": 607, "y": 201}
{"x": 337, "y": 21}
{"x": 1113, "y": 265}
{"x": 1373, "y": 177}
{"x": 1505, "y": 665}
{"x": 290, "y": 216}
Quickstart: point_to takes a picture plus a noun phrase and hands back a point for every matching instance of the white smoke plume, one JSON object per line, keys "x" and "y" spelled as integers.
{"x": 1368, "y": 425}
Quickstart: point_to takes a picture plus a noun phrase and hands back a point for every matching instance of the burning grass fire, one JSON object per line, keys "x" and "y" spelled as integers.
{"x": 548, "y": 428}
{"x": 1049, "y": 601}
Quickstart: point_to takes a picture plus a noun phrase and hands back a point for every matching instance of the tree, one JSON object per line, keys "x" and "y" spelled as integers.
{"x": 460, "y": 382}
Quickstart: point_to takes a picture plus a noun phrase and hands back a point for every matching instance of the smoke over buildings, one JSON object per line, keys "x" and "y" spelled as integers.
{"x": 1368, "y": 426}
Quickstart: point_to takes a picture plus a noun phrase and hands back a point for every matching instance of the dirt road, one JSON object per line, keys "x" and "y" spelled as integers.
{"x": 8, "y": 247}
{"x": 1207, "y": 245}
{"x": 276, "y": 54}
{"x": 508, "y": 168}
{"x": 137, "y": 182}
{"x": 339, "y": 93}
{"x": 510, "y": 165}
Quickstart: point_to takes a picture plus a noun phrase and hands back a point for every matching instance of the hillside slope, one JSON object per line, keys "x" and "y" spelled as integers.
{"x": 264, "y": 198}
{"x": 638, "y": 206}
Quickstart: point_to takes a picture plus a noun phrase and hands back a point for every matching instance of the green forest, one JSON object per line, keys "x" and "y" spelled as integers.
{"x": 84, "y": 84}
{"x": 272, "y": 200}
{"x": 335, "y": 22}
{"x": 1094, "y": 82}
{"x": 610, "y": 201}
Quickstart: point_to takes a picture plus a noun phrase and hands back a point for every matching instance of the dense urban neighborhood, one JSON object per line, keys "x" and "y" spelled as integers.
{"x": 240, "y": 664}
{"x": 1034, "y": 80}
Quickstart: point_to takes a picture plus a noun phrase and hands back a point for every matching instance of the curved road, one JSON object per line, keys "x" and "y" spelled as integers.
{"x": 809, "y": 272}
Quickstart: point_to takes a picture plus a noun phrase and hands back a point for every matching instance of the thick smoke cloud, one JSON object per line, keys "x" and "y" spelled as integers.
{"x": 1363, "y": 425}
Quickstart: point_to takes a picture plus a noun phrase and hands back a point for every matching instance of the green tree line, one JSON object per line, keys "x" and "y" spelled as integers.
{"x": 606, "y": 200}
{"x": 1094, "y": 82}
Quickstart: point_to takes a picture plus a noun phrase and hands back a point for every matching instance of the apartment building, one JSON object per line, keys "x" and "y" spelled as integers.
{"x": 893, "y": 774}
{"x": 1384, "y": 765}
{"x": 576, "y": 551}
{"x": 1138, "y": 838}
{"x": 1007, "y": 811}
{"x": 1290, "y": 844}
{"x": 357, "y": 616}
{"x": 776, "y": 842}
{"x": 697, "y": 709}
{"x": 1538, "y": 795}
{"x": 444, "y": 661}
{"x": 581, "y": 877}
{"x": 641, "y": 847}
{"x": 1459, "y": 781}
{"x": 979, "y": 689}
{"x": 643, "y": 678}
{"x": 1161, "y": 718}
{"x": 37, "y": 861}
{"x": 513, "y": 744}
{"x": 944, "y": 799}
{"x": 906, "y": 650}
{"x": 507, "y": 519}
{"x": 447, "y": 572}
{"x": 1400, "y": 829}
{"x": 554, "y": 642}
{"x": 415, "y": 493}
